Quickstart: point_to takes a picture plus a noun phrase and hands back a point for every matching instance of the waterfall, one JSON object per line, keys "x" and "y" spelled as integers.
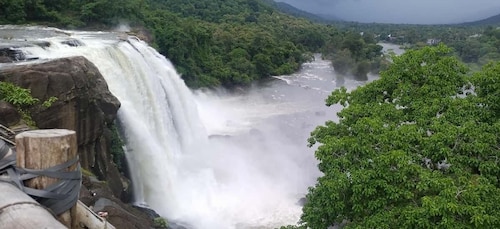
{"x": 176, "y": 169}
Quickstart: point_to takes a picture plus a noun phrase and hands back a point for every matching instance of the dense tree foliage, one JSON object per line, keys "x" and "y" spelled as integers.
{"x": 243, "y": 41}
{"x": 480, "y": 48}
{"x": 211, "y": 42}
{"x": 233, "y": 52}
{"x": 474, "y": 43}
{"x": 70, "y": 13}
{"x": 417, "y": 148}
{"x": 355, "y": 53}
{"x": 291, "y": 10}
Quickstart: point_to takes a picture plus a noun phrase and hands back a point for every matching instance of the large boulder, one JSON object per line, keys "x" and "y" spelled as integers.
{"x": 83, "y": 104}
{"x": 98, "y": 196}
{"x": 8, "y": 114}
{"x": 9, "y": 54}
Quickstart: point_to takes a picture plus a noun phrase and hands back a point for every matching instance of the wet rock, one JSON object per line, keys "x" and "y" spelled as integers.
{"x": 97, "y": 195}
{"x": 148, "y": 211}
{"x": 11, "y": 54}
{"x": 73, "y": 43}
{"x": 178, "y": 225}
{"x": 42, "y": 44}
{"x": 141, "y": 33}
{"x": 8, "y": 114}
{"x": 302, "y": 201}
{"x": 84, "y": 104}
{"x": 5, "y": 59}
{"x": 172, "y": 224}
{"x": 119, "y": 217}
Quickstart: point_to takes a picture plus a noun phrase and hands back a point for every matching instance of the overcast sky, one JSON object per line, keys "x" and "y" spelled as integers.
{"x": 402, "y": 11}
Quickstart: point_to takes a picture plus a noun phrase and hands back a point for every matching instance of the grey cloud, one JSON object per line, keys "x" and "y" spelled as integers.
{"x": 402, "y": 11}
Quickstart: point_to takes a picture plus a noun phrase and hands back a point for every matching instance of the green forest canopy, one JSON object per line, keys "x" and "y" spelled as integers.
{"x": 417, "y": 148}
{"x": 476, "y": 44}
{"x": 211, "y": 42}
{"x": 234, "y": 43}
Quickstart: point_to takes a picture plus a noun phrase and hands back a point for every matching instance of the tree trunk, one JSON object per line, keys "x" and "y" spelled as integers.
{"x": 42, "y": 149}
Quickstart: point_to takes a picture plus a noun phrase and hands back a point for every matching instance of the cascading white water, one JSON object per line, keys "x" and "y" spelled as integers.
{"x": 177, "y": 170}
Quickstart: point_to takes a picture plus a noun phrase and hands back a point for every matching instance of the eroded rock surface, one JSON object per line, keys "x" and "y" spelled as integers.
{"x": 83, "y": 104}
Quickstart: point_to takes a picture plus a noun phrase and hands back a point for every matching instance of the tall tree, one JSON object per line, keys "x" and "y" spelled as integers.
{"x": 418, "y": 148}
{"x": 12, "y": 11}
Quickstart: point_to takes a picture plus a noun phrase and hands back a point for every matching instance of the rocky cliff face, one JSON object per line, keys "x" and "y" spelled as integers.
{"x": 83, "y": 104}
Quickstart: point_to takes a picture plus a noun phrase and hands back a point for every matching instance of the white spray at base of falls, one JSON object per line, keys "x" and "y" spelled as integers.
{"x": 176, "y": 169}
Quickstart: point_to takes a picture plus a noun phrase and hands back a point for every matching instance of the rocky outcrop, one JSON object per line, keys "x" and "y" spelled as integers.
{"x": 72, "y": 43}
{"x": 8, "y": 114}
{"x": 83, "y": 104}
{"x": 9, "y": 54}
{"x": 12, "y": 53}
{"x": 98, "y": 196}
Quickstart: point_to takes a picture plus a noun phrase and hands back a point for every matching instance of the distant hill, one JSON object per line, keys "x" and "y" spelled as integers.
{"x": 291, "y": 10}
{"x": 493, "y": 20}
{"x": 330, "y": 17}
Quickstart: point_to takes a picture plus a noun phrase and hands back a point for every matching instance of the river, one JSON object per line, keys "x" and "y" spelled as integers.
{"x": 206, "y": 159}
{"x": 270, "y": 124}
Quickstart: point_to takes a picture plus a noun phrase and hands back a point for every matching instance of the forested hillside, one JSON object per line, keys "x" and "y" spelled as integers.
{"x": 291, "y": 10}
{"x": 211, "y": 42}
{"x": 476, "y": 44}
{"x": 493, "y": 20}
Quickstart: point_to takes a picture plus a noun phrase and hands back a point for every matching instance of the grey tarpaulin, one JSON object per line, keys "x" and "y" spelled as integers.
{"x": 59, "y": 197}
